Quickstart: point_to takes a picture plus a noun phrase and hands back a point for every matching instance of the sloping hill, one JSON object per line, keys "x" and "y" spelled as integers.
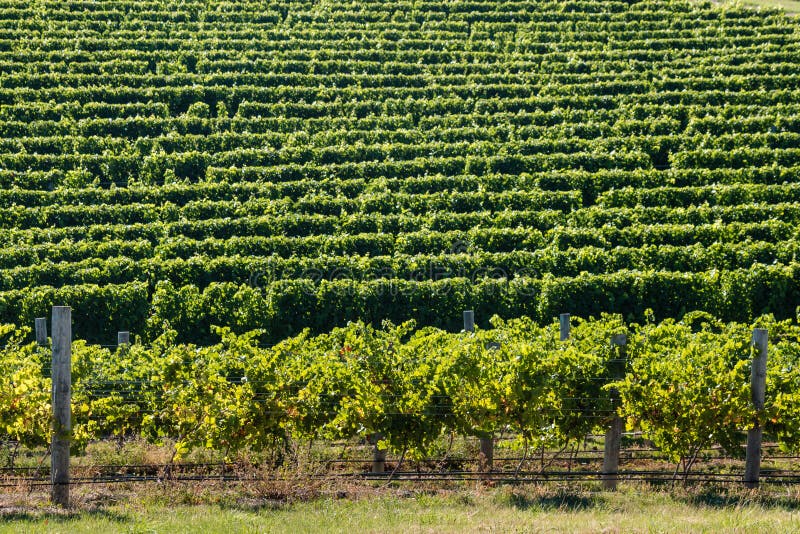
{"x": 291, "y": 164}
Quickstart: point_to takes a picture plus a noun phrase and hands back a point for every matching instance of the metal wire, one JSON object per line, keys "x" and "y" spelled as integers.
{"x": 228, "y": 472}
{"x": 507, "y": 477}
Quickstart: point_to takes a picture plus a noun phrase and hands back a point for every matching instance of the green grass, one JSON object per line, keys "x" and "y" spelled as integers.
{"x": 498, "y": 510}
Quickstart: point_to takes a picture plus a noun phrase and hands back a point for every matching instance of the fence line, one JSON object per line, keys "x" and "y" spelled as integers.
{"x": 610, "y": 473}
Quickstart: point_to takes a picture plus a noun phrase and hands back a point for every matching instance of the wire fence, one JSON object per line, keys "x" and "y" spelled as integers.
{"x": 640, "y": 463}
{"x": 150, "y": 397}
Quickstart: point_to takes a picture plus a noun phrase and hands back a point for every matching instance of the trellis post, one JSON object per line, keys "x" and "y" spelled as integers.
{"x": 62, "y": 411}
{"x": 613, "y": 438}
{"x": 563, "y": 323}
{"x": 40, "y": 325}
{"x": 758, "y": 387}
{"x": 486, "y": 454}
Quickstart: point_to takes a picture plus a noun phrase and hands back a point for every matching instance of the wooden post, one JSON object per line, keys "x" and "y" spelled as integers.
{"x": 563, "y": 320}
{"x": 758, "y": 388}
{"x": 469, "y": 321}
{"x": 378, "y": 456}
{"x": 486, "y": 455}
{"x": 613, "y": 439}
{"x": 62, "y": 398}
{"x": 486, "y": 458}
{"x": 123, "y": 338}
{"x": 40, "y": 324}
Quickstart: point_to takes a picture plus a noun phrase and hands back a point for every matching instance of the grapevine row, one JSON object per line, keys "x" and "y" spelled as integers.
{"x": 411, "y": 387}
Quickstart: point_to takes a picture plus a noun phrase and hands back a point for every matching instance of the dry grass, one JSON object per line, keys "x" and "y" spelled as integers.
{"x": 791, "y": 7}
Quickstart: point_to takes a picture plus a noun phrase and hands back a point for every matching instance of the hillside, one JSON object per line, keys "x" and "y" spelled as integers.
{"x": 280, "y": 165}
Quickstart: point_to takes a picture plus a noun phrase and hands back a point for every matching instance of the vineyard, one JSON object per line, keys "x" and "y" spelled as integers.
{"x": 290, "y": 203}
{"x": 683, "y": 388}
{"x": 283, "y": 165}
